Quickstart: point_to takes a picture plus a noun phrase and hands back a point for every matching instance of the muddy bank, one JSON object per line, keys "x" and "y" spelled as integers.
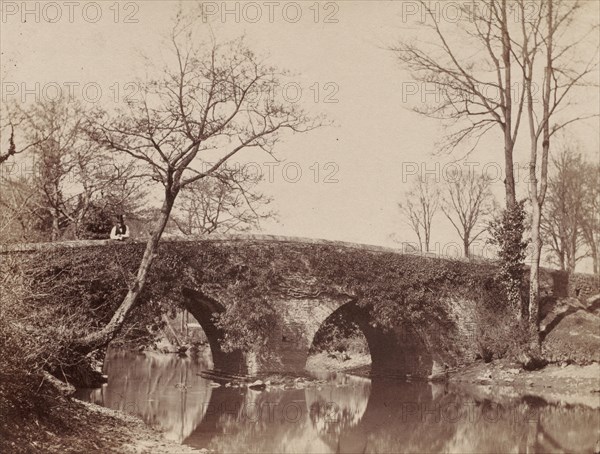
{"x": 569, "y": 384}
{"x": 566, "y": 383}
{"x": 73, "y": 426}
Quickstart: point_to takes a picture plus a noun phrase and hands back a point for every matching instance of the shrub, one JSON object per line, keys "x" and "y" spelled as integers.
{"x": 48, "y": 302}
{"x": 33, "y": 339}
{"x": 507, "y": 233}
{"x": 499, "y": 335}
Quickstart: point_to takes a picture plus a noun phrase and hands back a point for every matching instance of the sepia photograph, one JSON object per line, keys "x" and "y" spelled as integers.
{"x": 299, "y": 227}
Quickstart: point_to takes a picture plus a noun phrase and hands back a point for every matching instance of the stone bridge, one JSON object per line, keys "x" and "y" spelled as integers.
{"x": 419, "y": 314}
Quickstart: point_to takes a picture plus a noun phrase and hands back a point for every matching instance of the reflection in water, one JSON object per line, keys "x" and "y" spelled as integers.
{"x": 348, "y": 414}
{"x": 164, "y": 390}
{"x": 336, "y": 408}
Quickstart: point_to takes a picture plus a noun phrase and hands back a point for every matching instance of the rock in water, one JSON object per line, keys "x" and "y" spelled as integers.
{"x": 531, "y": 362}
{"x": 258, "y": 385}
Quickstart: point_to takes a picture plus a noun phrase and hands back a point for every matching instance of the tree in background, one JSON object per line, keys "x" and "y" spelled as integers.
{"x": 570, "y": 225}
{"x": 420, "y": 204}
{"x": 64, "y": 179}
{"x": 467, "y": 201}
{"x": 21, "y": 217}
{"x": 19, "y": 220}
{"x": 227, "y": 202}
{"x": 565, "y": 209}
{"x": 9, "y": 124}
{"x": 11, "y": 149}
{"x": 590, "y": 225}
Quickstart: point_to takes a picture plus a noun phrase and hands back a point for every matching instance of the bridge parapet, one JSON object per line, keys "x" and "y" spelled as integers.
{"x": 228, "y": 238}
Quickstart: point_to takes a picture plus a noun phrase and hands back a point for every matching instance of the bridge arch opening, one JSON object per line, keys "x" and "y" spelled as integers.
{"x": 339, "y": 342}
{"x": 203, "y": 309}
{"x": 398, "y": 351}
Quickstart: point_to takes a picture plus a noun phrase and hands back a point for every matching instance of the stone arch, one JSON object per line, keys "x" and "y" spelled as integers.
{"x": 202, "y": 309}
{"x": 347, "y": 312}
{"x": 293, "y": 333}
{"x": 399, "y": 351}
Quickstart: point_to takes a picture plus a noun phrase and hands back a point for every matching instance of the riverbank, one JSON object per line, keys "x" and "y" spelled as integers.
{"x": 568, "y": 384}
{"x": 338, "y": 361}
{"x": 72, "y": 426}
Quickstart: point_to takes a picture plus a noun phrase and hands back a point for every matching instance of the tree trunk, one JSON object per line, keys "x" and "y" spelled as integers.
{"x": 534, "y": 284}
{"x": 84, "y": 206}
{"x": 561, "y": 259}
{"x": 105, "y": 335}
{"x": 55, "y": 226}
{"x": 537, "y": 197}
{"x": 571, "y": 264}
{"x": 509, "y": 181}
{"x": 594, "y": 251}
{"x": 588, "y": 235}
{"x": 466, "y": 247}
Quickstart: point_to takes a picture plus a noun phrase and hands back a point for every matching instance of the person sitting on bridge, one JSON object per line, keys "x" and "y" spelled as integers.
{"x": 119, "y": 231}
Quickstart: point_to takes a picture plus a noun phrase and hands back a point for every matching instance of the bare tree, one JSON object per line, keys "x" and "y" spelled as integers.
{"x": 420, "y": 204}
{"x": 227, "y": 202}
{"x": 10, "y": 123}
{"x": 467, "y": 200}
{"x": 212, "y": 103}
{"x": 8, "y": 147}
{"x": 590, "y": 224}
{"x": 12, "y": 149}
{"x": 70, "y": 174}
{"x": 472, "y": 71}
{"x": 15, "y": 193}
{"x": 536, "y": 48}
{"x": 558, "y": 74}
{"x": 21, "y": 219}
{"x": 564, "y": 210}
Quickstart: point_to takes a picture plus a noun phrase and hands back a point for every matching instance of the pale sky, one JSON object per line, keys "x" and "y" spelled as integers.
{"x": 342, "y": 52}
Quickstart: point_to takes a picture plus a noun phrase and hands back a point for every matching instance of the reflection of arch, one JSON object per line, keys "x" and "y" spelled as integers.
{"x": 398, "y": 417}
{"x": 203, "y": 308}
{"x": 362, "y": 416}
{"x": 221, "y": 403}
{"x": 238, "y": 420}
{"x": 399, "y": 351}
{"x": 333, "y": 409}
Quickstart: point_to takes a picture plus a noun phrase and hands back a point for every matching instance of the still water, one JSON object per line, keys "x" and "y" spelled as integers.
{"x": 346, "y": 414}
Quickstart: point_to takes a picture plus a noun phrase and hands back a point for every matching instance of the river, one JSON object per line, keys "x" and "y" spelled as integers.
{"x": 346, "y": 414}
